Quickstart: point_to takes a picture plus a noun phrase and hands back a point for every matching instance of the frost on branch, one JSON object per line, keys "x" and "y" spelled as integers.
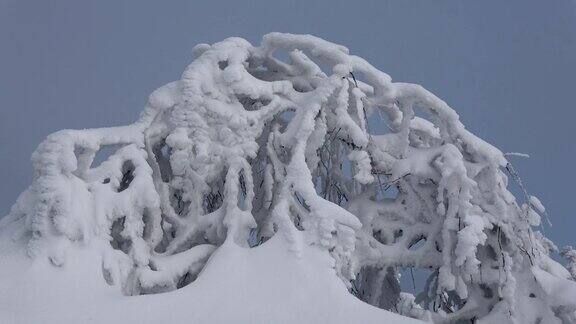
{"x": 246, "y": 146}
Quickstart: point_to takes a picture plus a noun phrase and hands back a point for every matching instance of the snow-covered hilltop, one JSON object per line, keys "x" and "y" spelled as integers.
{"x": 255, "y": 189}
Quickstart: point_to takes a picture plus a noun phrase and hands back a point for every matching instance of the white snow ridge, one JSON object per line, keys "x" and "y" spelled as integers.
{"x": 253, "y": 191}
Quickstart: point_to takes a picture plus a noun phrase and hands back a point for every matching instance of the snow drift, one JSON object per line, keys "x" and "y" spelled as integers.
{"x": 253, "y": 190}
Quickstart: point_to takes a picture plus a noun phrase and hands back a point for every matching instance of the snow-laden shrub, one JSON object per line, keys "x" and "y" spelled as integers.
{"x": 246, "y": 146}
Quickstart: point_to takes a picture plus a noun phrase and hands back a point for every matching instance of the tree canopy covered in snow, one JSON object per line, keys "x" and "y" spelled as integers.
{"x": 279, "y": 140}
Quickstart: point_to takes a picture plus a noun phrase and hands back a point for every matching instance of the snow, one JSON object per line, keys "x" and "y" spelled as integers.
{"x": 518, "y": 154}
{"x": 252, "y": 188}
{"x": 561, "y": 292}
{"x": 535, "y": 202}
{"x": 266, "y": 284}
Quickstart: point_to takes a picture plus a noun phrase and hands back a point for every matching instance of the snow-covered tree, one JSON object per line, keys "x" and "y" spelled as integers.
{"x": 280, "y": 139}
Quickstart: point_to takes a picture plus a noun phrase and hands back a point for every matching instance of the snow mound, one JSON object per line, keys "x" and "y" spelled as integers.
{"x": 267, "y": 284}
{"x": 252, "y": 190}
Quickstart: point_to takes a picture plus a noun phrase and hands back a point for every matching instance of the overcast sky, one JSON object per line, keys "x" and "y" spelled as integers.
{"x": 507, "y": 67}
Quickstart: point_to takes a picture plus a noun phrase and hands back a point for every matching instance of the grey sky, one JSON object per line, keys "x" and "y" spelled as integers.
{"x": 507, "y": 67}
